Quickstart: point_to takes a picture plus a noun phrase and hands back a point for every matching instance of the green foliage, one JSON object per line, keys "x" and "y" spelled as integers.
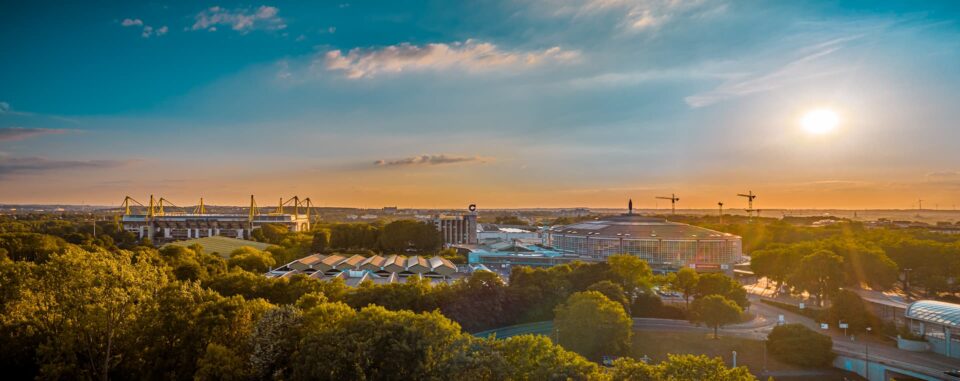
{"x": 251, "y": 259}
{"x": 378, "y": 344}
{"x": 820, "y": 274}
{"x": 679, "y": 368}
{"x": 847, "y": 306}
{"x": 648, "y": 304}
{"x": 592, "y": 325}
{"x": 320, "y": 241}
{"x": 613, "y": 292}
{"x": 685, "y": 281}
{"x": 478, "y": 302}
{"x": 31, "y": 246}
{"x": 719, "y": 284}
{"x": 715, "y": 311}
{"x": 408, "y": 235}
{"x": 530, "y": 357}
{"x": 272, "y": 343}
{"x": 630, "y": 271}
{"x": 797, "y": 344}
{"x": 222, "y": 364}
{"x": 83, "y": 307}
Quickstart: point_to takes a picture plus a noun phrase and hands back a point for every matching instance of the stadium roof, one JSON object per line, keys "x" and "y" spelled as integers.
{"x": 932, "y": 311}
{"x": 220, "y": 245}
{"x": 639, "y": 227}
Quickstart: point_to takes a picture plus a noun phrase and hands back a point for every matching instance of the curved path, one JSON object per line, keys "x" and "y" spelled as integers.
{"x": 766, "y": 318}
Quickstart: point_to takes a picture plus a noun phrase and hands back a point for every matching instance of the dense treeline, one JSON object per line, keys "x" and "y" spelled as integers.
{"x": 95, "y": 311}
{"x": 879, "y": 258}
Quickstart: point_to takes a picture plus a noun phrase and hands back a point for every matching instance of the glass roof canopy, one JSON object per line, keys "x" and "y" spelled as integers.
{"x": 943, "y": 313}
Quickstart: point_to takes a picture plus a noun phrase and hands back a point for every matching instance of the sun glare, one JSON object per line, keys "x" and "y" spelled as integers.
{"x": 820, "y": 121}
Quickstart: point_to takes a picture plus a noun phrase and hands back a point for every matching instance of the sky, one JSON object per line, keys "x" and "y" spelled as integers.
{"x": 501, "y": 103}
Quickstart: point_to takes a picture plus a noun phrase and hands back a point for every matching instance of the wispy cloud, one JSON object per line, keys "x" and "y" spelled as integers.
{"x": 131, "y": 22}
{"x": 470, "y": 55}
{"x": 799, "y": 70}
{"x": 147, "y": 31}
{"x": 241, "y": 20}
{"x": 34, "y": 165}
{"x": 9, "y": 134}
{"x": 428, "y": 160}
{"x": 636, "y": 15}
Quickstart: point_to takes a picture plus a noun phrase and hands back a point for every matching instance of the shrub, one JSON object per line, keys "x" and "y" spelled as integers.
{"x": 799, "y": 345}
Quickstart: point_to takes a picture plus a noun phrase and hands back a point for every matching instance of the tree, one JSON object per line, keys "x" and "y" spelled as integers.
{"x": 85, "y": 305}
{"x": 478, "y": 302}
{"x": 592, "y": 325}
{"x": 273, "y": 342}
{"x": 715, "y": 311}
{"x": 798, "y": 345}
{"x": 402, "y": 235}
{"x": 693, "y": 367}
{"x": 679, "y": 368}
{"x": 613, "y": 292}
{"x": 529, "y": 357}
{"x": 685, "y": 281}
{"x": 251, "y": 259}
{"x": 320, "y": 241}
{"x": 377, "y": 344}
{"x": 220, "y": 363}
{"x": 630, "y": 271}
{"x": 719, "y": 284}
{"x": 847, "y": 306}
{"x": 820, "y": 274}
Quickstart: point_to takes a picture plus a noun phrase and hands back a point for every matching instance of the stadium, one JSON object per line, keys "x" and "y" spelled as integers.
{"x": 663, "y": 244}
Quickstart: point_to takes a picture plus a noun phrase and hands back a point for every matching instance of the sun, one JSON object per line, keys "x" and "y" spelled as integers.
{"x": 820, "y": 121}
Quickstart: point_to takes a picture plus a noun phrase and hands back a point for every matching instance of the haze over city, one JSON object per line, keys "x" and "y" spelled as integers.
{"x": 506, "y": 104}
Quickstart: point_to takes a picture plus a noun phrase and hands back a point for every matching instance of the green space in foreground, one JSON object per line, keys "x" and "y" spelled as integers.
{"x": 657, "y": 345}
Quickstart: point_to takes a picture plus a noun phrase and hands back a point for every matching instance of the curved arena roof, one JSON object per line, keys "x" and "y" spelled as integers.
{"x": 935, "y": 312}
{"x": 640, "y": 227}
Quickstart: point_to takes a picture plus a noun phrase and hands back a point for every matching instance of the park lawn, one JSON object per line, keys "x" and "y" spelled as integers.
{"x": 657, "y": 345}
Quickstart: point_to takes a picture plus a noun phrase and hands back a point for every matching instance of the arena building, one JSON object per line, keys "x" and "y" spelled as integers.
{"x": 663, "y": 244}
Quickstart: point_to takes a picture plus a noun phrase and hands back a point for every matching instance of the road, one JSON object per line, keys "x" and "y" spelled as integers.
{"x": 882, "y": 352}
{"x": 766, "y": 318}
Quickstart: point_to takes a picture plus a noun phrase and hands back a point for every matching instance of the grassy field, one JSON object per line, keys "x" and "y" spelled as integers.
{"x": 656, "y": 345}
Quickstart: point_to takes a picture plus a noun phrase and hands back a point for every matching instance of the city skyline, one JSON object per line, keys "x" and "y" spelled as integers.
{"x": 505, "y": 104}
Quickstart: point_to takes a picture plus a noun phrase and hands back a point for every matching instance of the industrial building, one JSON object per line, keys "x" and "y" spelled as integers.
{"x": 663, "y": 244}
{"x": 161, "y": 224}
{"x": 458, "y": 229}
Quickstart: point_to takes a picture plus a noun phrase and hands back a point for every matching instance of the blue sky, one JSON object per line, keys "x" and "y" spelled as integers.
{"x": 501, "y": 103}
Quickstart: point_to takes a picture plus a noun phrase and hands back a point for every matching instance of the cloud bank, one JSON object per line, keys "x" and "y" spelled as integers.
{"x": 470, "y": 55}
{"x": 9, "y": 134}
{"x": 35, "y": 165}
{"x": 425, "y": 160}
{"x": 240, "y": 20}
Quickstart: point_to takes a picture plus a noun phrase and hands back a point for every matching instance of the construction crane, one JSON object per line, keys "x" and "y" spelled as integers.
{"x": 749, "y": 196}
{"x": 673, "y": 202}
{"x": 720, "y": 204}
